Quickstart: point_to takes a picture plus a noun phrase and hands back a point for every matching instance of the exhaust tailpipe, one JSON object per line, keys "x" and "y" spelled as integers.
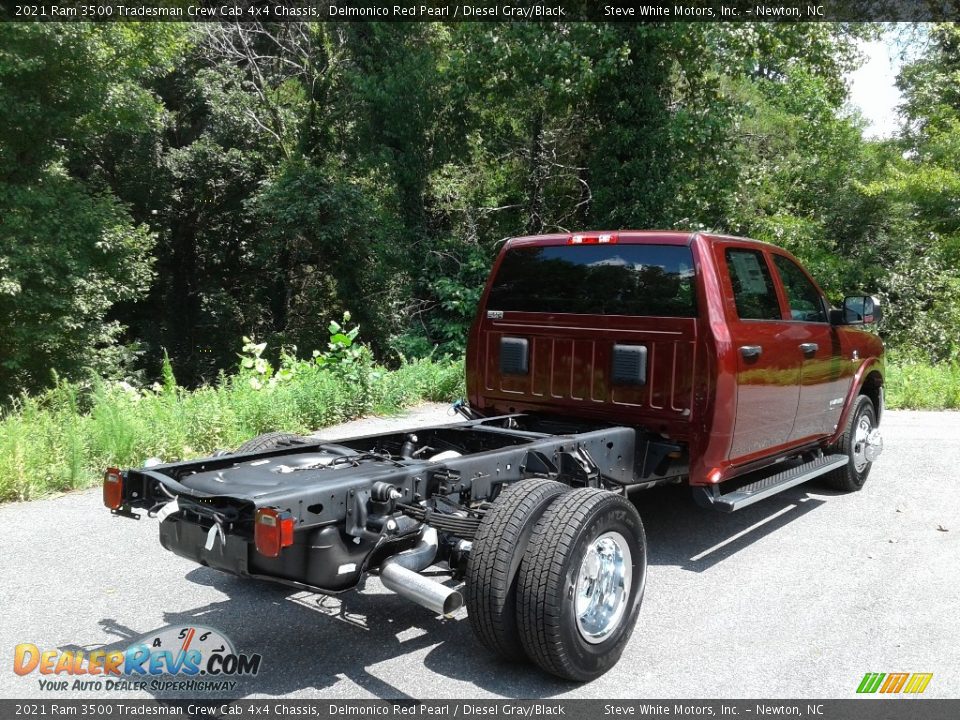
{"x": 401, "y": 573}
{"x": 413, "y": 586}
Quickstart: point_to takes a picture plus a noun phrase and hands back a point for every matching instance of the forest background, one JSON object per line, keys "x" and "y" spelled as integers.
{"x": 217, "y": 194}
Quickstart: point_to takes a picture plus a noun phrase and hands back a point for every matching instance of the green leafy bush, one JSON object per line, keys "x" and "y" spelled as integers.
{"x": 65, "y": 437}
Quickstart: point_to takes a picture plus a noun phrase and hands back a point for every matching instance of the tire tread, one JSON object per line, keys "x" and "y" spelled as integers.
{"x": 270, "y": 441}
{"x": 541, "y": 582}
{"x": 490, "y": 589}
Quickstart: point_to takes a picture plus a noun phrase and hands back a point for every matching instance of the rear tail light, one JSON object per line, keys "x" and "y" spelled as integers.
{"x": 113, "y": 488}
{"x": 273, "y": 531}
{"x": 600, "y": 239}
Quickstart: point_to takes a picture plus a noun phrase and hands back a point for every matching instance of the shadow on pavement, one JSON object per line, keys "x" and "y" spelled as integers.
{"x": 309, "y": 642}
{"x": 681, "y": 533}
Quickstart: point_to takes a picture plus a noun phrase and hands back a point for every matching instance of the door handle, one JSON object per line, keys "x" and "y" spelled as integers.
{"x": 750, "y": 351}
{"x": 809, "y": 348}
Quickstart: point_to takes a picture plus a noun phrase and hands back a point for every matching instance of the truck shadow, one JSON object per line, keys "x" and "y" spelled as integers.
{"x": 681, "y": 533}
{"x": 312, "y": 642}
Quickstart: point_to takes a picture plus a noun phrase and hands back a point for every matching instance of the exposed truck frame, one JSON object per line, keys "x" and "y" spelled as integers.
{"x": 343, "y": 496}
{"x": 527, "y": 507}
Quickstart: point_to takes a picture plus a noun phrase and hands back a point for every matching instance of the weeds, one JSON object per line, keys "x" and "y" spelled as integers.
{"x": 918, "y": 386}
{"x": 65, "y": 437}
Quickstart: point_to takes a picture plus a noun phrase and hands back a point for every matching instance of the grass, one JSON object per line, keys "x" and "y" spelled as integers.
{"x": 918, "y": 386}
{"x": 64, "y": 438}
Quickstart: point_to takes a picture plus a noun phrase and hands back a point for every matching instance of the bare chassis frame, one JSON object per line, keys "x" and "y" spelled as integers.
{"x": 350, "y": 519}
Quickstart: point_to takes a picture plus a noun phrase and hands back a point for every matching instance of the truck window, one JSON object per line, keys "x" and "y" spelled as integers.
{"x": 653, "y": 280}
{"x": 752, "y": 287}
{"x": 804, "y": 299}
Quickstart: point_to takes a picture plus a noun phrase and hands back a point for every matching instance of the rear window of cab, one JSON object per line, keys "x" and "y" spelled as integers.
{"x": 650, "y": 280}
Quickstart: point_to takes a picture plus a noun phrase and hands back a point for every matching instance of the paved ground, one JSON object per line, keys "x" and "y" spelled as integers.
{"x": 797, "y": 596}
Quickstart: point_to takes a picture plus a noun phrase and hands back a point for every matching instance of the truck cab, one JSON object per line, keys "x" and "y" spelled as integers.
{"x": 722, "y": 352}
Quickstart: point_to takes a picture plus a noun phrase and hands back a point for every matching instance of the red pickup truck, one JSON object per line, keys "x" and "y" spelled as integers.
{"x": 723, "y": 352}
{"x": 599, "y": 363}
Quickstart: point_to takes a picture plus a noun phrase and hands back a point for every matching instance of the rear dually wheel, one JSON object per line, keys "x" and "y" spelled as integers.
{"x": 581, "y": 583}
{"x": 495, "y": 559}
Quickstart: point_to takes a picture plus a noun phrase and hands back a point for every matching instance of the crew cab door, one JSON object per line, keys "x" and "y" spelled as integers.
{"x": 768, "y": 359}
{"x": 825, "y": 376}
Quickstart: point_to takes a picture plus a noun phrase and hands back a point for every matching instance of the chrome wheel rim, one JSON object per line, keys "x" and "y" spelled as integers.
{"x": 603, "y": 586}
{"x": 864, "y": 426}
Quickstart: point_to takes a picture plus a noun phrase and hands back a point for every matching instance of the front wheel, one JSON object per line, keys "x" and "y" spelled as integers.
{"x": 861, "y": 443}
{"x": 581, "y": 582}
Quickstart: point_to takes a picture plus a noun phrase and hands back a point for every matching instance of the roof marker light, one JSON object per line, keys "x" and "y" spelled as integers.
{"x": 601, "y": 239}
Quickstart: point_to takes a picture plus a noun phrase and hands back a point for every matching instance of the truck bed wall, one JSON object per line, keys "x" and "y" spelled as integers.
{"x": 570, "y": 369}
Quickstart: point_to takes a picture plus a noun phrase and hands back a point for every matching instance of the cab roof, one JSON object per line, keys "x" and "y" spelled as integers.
{"x": 630, "y": 237}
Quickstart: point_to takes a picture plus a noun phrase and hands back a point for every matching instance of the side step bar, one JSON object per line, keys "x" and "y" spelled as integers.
{"x": 765, "y": 487}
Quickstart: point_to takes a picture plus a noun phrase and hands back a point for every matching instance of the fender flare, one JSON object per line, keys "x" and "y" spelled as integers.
{"x": 859, "y": 378}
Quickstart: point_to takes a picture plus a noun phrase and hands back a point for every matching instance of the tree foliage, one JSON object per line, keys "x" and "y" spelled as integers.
{"x": 69, "y": 250}
{"x": 921, "y": 189}
{"x": 173, "y": 187}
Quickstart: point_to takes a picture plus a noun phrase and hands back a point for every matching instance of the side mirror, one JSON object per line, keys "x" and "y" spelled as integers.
{"x": 857, "y": 310}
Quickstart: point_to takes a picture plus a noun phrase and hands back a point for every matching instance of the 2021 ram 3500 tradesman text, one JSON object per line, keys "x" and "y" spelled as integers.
{"x": 597, "y": 363}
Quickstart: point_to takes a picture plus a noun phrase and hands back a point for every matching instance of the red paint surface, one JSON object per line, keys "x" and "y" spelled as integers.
{"x": 733, "y": 413}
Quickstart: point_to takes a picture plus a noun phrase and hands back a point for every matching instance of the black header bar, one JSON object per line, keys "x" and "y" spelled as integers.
{"x": 873, "y": 708}
{"x": 480, "y": 10}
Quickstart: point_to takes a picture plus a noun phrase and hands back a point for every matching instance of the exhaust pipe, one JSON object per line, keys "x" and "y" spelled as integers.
{"x": 401, "y": 573}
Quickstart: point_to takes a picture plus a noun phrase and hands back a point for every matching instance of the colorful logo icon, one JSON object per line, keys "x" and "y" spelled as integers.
{"x": 888, "y": 683}
{"x": 174, "y": 650}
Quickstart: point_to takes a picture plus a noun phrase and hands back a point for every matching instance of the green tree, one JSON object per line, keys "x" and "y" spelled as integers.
{"x": 922, "y": 185}
{"x": 68, "y": 249}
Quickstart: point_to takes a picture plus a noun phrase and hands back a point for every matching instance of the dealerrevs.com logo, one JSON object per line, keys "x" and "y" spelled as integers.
{"x": 891, "y": 683}
{"x": 175, "y": 658}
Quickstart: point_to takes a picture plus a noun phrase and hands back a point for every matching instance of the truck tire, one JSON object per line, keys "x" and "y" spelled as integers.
{"x": 270, "y": 441}
{"x": 498, "y": 547}
{"x": 852, "y": 476}
{"x": 581, "y": 583}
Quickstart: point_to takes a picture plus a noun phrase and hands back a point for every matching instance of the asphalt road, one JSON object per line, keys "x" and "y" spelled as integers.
{"x": 798, "y": 596}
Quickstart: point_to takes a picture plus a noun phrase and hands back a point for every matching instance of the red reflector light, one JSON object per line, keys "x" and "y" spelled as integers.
{"x": 601, "y": 239}
{"x": 113, "y": 488}
{"x": 273, "y": 531}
